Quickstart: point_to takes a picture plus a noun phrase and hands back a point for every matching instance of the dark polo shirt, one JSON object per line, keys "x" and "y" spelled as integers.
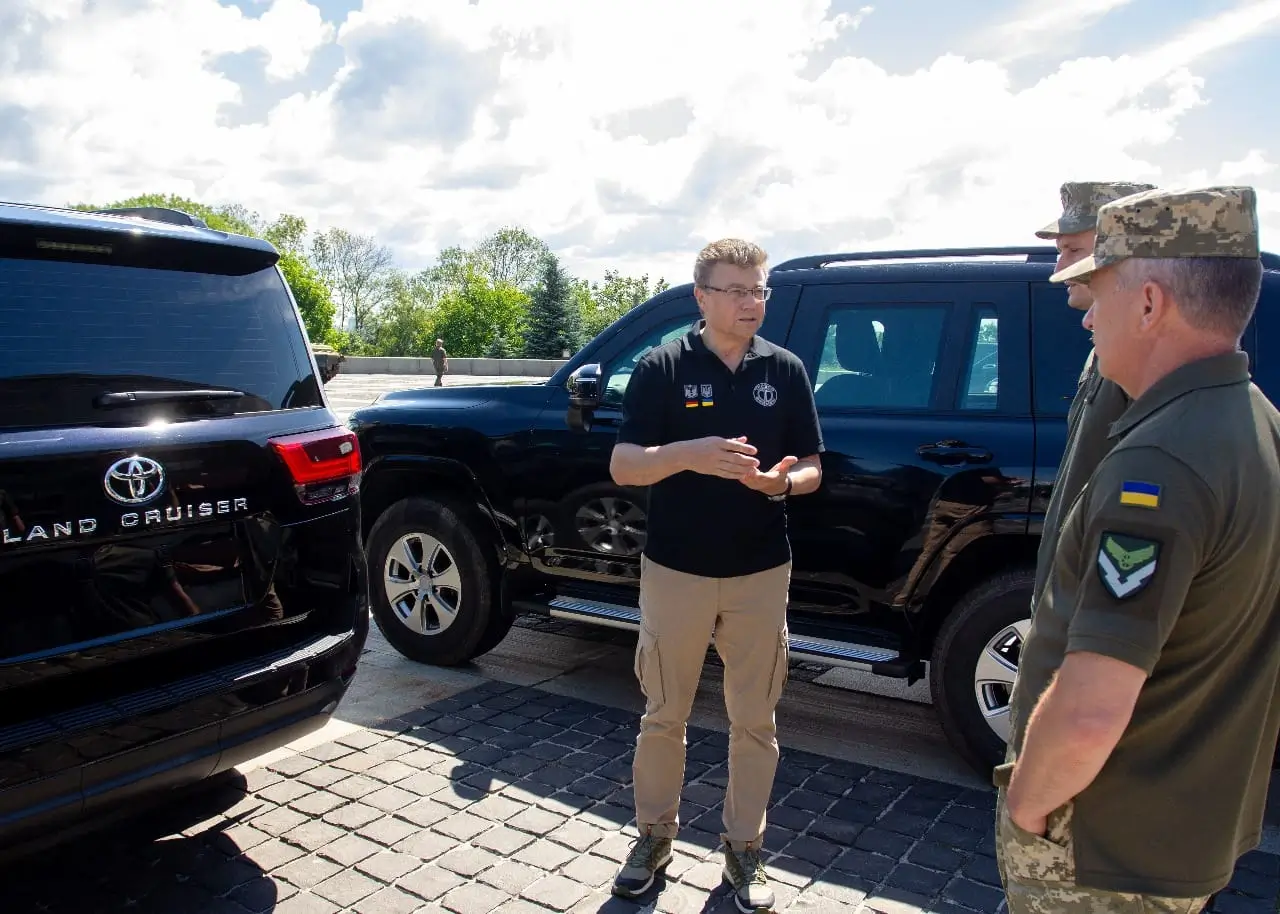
{"x": 702, "y": 524}
{"x": 1098, "y": 403}
{"x": 1167, "y": 562}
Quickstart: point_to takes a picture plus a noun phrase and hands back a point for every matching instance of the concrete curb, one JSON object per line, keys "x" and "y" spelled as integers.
{"x": 523, "y": 368}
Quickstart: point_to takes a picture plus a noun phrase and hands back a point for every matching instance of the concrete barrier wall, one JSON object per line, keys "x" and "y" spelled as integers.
{"x": 521, "y": 368}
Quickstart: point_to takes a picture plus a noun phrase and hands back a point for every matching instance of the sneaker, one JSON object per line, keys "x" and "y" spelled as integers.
{"x": 744, "y": 872}
{"x": 649, "y": 855}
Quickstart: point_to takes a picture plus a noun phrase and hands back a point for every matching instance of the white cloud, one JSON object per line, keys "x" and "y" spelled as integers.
{"x": 626, "y": 139}
{"x": 1040, "y": 24}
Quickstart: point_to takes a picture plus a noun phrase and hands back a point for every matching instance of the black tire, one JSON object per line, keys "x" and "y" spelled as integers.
{"x": 981, "y": 614}
{"x": 453, "y": 526}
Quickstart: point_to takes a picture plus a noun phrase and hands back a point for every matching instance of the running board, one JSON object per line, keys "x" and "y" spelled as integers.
{"x": 879, "y": 660}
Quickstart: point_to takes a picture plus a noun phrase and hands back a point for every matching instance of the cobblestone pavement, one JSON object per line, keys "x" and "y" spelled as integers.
{"x": 513, "y": 800}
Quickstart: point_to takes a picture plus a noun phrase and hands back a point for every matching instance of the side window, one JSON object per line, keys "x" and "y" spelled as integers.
{"x": 619, "y": 370}
{"x": 1059, "y": 347}
{"x": 980, "y": 387}
{"x": 880, "y": 356}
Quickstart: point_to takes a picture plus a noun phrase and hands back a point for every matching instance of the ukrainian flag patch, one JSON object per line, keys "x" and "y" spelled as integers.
{"x": 1140, "y": 494}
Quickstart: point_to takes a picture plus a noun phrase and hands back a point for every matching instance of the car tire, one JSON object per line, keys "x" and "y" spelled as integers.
{"x": 469, "y": 581}
{"x": 986, "y": 626}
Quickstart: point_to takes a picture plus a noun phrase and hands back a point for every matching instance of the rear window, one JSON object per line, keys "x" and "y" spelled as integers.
{"x": 72, "y": 332}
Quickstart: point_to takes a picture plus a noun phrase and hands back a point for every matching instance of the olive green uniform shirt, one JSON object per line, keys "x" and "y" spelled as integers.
{"x": 1167, "y": 561}
{"x": 1098, "y": 403}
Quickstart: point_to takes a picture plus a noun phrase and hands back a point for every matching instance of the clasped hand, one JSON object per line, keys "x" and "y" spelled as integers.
{"x": 734, "y": 458}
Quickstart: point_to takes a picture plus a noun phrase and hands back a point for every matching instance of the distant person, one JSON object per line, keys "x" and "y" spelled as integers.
{"x": 721, "y": 425}
{"x": 1146, "y": 708}
{"x": 440, "y": 360}
{"x": 1098, "y": 401}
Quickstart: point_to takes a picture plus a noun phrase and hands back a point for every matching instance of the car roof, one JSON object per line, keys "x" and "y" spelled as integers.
{"x": 154, "y": 222}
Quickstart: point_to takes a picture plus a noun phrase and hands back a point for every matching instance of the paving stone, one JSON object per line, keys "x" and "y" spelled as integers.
{"x": 292, "y": 765}
{"x": 387, "y": 831}
{"x": 974, "y": 895}
{"x": 317, "y": 803}
{"x": 390, "y": 799}
{"x": 352, "y": 816}
{"x": 425, "y": 813}
{"x": 308, "y": 871}
{"x": 425, "y": 845}
{"x": 792, "y": 871}
{"x": 388, "y": 866}
{"x": 884, "y": 842}
{"x": 936, "y": 857}
{"x": 895, "y": 901}
{"x": 496, "y": 808}
{"x": 512, "y": 876}
{"x": 475, "y": 898}
{"x": 462, "y": 826}
{"x": 259, "y": 778}
{"x": 389, "y": 900}
{"x": 273, "y": 853}
{"x": 545, "y": 855}
{"x": 503, "y": 840}
{"x": 536, "y": 821}
{"x": 916, "y": 879}
{"x": 904, "y": 823}
{"x": 590, "y": 870}
{"x": 349, "y": 850}
{"x": 262, "y": 894}
{"x": 347, "y": 887}
{"x": 244, "y": 836}
{"x": 855, "y": 811}
{"x": 835, "y": 831}
{"x": 360, "y": 739}
{"x": 430, "y": 882}
{"x": 578, "y": 835}
{"x": 358, "y": 762}
{"x": 313, "y": 835}
{"x": 865, "y": 864}
{"x": 954, "y": 836}
{"x": 322, "y": 776}
{"x": 814, "y": 903}
{"x": 468, "y": 861}
{"x": 355, "y": 786}
{"x": 392, "y": 772}
{"x": 285, "y": 791}
{"x": 305, "y": 903}
{"x": 555, "y": 892}
{"x": 983, "y": 869}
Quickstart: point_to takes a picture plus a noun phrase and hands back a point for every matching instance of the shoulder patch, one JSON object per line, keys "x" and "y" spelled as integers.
{"x": 1126, "y": 564}
{"x": 1139, "y": 494}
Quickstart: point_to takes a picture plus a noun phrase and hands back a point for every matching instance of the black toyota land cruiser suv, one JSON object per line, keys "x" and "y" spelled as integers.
{"x": 942, "y": 381}
{"x": 182, "y": 584}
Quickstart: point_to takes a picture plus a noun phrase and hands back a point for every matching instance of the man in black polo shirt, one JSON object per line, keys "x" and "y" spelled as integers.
{"x": 722, "y": 426}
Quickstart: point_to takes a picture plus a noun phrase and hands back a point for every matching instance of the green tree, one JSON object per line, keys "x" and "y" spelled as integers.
{"x": 405, "y": 324}
{"x": 555, "y": 321}
{"x": 470, "y": 317}
{"x": 605, "y": 302}
{"x": 511, "y": 256}
{"x": 312, "y": 296}
{"x": 232, "y": 218}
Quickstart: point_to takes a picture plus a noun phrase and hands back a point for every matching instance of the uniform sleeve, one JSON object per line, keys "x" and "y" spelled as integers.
{"x": 1149, "y": 523}
{"x": 644, "y": 405}
{"x": 804, "y": 432}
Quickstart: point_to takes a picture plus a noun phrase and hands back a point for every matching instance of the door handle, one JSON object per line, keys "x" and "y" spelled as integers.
{"x": 954, "y": 454}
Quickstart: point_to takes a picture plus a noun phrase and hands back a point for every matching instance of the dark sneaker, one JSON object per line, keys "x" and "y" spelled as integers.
{"x": 744, "y": 872}
{"x": 649, "y": 855}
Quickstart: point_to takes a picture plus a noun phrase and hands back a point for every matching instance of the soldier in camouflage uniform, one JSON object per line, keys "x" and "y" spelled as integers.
{"x": 1147, "y": 701}
{"x": 1098, "y": 402}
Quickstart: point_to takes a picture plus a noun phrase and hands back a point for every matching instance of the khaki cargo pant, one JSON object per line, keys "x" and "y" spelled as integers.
{"x": 678, "y": 614}
{"x": 1039, "y": 872}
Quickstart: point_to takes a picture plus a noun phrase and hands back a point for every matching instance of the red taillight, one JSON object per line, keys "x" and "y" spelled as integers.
{"x": 325, "y": 465}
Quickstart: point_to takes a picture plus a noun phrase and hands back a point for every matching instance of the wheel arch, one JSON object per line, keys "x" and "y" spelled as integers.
{"x": 982, "y": 559}
{"x": 390, "y": 479}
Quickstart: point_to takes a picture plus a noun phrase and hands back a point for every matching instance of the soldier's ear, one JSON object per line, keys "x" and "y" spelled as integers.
{"x": 1155, "y": 303}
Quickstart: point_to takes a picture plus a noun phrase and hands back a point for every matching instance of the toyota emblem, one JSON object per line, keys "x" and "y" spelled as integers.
{"x": 134, "y": 480}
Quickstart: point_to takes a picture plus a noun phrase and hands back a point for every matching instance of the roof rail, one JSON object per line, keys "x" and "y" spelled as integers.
{"x": 156, "y": 214}
{"x": 1041, "y": 254}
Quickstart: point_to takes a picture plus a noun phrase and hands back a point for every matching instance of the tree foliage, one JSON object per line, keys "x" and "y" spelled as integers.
{"x": 508, "y": 297}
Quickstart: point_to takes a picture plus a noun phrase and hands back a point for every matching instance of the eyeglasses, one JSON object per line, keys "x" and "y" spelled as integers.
{"x": 740, "y": 294}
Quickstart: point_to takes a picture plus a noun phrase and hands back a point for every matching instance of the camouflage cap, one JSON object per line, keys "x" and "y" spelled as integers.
{"x": 1160, "y": 224}
{"x": 1081, "y": 201}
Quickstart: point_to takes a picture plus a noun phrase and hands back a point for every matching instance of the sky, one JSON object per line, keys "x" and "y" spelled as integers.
{"x": 628, "y": 135}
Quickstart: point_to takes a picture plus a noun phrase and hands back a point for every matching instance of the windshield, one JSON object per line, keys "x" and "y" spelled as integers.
{"x": 72, "y": 332}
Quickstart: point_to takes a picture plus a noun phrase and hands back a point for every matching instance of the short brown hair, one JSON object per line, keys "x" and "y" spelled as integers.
{"x": 732, "y": 251}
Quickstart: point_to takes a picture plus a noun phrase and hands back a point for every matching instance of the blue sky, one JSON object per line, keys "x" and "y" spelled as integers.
{"x": 630, "y": 134}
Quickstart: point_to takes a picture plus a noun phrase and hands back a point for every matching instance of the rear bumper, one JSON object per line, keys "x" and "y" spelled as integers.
{"x": 222, "y": 719}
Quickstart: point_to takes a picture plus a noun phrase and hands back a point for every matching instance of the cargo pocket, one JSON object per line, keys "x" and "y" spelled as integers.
{"x": 648, "y": 668}
{"x": 1039, "y": 860}
{"x": 781, "y": 668}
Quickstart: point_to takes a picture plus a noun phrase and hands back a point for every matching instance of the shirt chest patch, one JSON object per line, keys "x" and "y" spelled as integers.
{"x": 765, "y": 394}
{"x": 698, "y": 395}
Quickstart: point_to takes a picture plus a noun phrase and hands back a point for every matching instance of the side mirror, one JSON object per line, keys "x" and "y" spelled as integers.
{"x": 584, "y": 396}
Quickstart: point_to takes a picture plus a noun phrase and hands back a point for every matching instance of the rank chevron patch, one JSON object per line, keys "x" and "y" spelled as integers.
{"x": 1126, "y": 564}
